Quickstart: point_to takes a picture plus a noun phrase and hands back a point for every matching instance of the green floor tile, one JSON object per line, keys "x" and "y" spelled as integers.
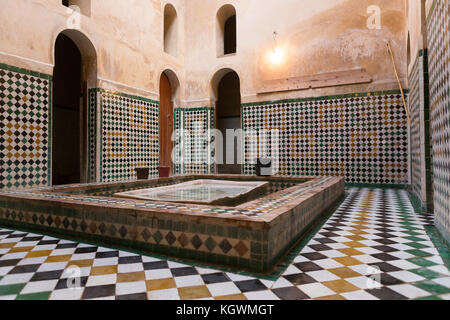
{"x": 416, "y": 245}
{"x": 418, "y": 253}
{"x": 429, "y": 298}
{"x": 422, "y": 262}
{"x": 34, "y": 296}
{"x": 440, "y": 244}
{"x": 426, "y": 273}
{"x": 415, "y": 239}
{"x": 432, "y": 287}
{"x": 11, "y": 289}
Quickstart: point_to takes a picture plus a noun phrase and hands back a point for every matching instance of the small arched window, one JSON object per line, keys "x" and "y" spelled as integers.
{"x": 226, "y": 30}
{"x": 170, "y": 30}
{"x": 84, "y": 5}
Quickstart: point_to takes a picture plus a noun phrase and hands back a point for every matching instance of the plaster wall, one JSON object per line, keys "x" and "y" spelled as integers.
{"x": 315, "y": 37}
{"x": 127, "y": 36}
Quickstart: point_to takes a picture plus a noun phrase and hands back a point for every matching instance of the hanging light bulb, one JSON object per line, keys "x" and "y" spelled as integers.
{"x": 277, "y": 54}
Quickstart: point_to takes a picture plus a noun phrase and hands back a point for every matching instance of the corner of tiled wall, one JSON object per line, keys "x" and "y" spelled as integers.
{"x": 25, "y": 134}
{"x": 438, "y": 25}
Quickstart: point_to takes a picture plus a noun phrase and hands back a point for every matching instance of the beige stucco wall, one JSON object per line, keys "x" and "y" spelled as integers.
{"x": 416, "y": 11}
{"x": 127, "y": 36}
{"x": 317, "y": 36}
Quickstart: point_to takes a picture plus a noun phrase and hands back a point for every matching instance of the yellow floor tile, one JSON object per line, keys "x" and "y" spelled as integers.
{"x": 351, "y": 252}
{"x": 357, "y": 232}
{"x": 347, "y": 261}
{"x": 161, "y": 284}
{"x": 355, "y": 238}
{"x": 99, "y": 271}
{"x": 82, "y": 263}
{"x": 340, "y": 286}
{"x": 62, "y": 258}
{"x": 38, "y": 254}
{"x": 7, "y": 245}
{"x": 190, "y": 293}
{"x": 20, "y": 249}
{"x": 232, "y": 297}
{"x": 354, "y": 244}
{"x": 344, "y": 273}
{"x": 131, "y": 277}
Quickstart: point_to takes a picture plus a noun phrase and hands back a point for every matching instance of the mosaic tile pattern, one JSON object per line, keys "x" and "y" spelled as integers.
{"x": 257, "y": 208}
{"x": 194, "y": 151}
{"x": 226, "y": 236}
{"x": 374, "y": 247}
{"x": 439, "y": 69}
{"x": 24, "y": 135}
{"x": 419, "y": 132}
{"x": 92, "y": 136}
{"x": 361, "y": 137}
{"x": 415, "y": 141}
{"x": 130, "y": 136}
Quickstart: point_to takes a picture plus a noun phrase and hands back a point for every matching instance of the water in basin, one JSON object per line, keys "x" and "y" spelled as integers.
{"x": 198, "y": 191}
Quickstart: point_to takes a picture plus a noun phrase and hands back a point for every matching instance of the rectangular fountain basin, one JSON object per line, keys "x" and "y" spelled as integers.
{"x": 253, "y": 234}
{"x": 208, "y": 192}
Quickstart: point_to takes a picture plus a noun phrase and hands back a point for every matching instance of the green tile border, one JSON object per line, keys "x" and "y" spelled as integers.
{"x": 25, "y": 71}
{"x": 416, "y": 202}
{"x": 193, "y": 109}
{"x": 376, "y": 186}
{"x": 330, "y": 97}
{"x": 442, "y": 246}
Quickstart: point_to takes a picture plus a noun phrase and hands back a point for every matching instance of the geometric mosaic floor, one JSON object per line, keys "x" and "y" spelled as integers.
{"x": 373, "y": 247}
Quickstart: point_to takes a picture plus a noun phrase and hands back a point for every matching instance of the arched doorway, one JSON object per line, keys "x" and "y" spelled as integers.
{"x": 226, "y": 85}
{"x": 74, "y": 72}
{"x": 168, "y": 89}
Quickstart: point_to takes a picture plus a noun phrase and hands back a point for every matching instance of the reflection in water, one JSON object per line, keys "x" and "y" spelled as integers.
{"x": 196, "y": 193}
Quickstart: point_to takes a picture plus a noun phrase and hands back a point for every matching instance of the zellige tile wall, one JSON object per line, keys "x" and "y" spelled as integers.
{"x": 363, "y": 137}
{"x": 25, "y": 100}
{"x": 194, "y": 150}
{"x": 438, "y": 24}
{"x": 129, "y": 135}
{"x": 421, "y": 175}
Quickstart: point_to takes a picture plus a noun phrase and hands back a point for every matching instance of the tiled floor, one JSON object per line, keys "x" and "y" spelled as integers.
{"x": 373, "y": 247}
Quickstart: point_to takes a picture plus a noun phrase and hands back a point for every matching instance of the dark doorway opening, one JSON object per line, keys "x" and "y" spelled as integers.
{"x": 228, "y": 112}
{"x": 166, "y": 122}
{"x": 230, "y": 35}
{"x": 67, "y": 96}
